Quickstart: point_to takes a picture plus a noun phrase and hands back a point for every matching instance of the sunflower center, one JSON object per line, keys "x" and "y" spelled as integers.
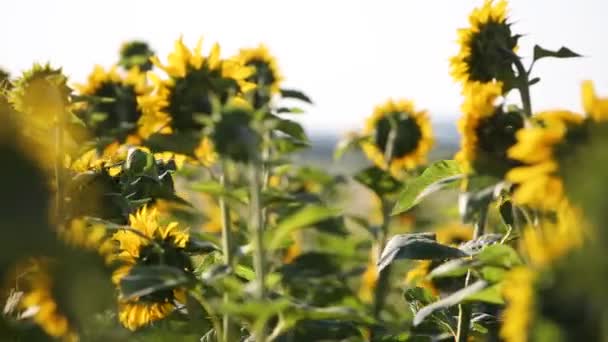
{"x": 118, "y": 116}
{"x": 495, "y": 135}
{"x": 489, "y": 58}
{"x": 172, "y": 256}
{"x": 408, "y": 134}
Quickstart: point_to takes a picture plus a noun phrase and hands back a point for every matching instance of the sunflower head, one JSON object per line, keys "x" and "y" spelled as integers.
{"x": 595, "y": 107}
{"x": 112, "y": 111}
{"x": 135, "y": 54}
{"x": 195, "y": 82}
{"x": 150, "y": 243}
{"x": 543, "y": 149}
{"x": 267, "y": 76}
{"x": 487, "y": 131}
{"x": 399, "y": 136}
{"x": 41, "y": 91}
{"x": 486, "y": 46}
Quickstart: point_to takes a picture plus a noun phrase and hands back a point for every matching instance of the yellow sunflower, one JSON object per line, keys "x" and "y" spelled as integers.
{"x": 487, "y": 131}
{"x": 400, "y": 136}
{"x": 369, "y": 278}
{"x": 549, "y": 242}
{"x": 141, "y": 248}
{"x": 115, "y": 113}
{"x": 39, "y": 297}
{"x": 540, "y": 148}
{"x": 179, "y": 102}
{"x": 267, "y": 74}
{"x": 518, "y": 316}
{"x": 482, "y": 56}
{"x": 595, "y": 107}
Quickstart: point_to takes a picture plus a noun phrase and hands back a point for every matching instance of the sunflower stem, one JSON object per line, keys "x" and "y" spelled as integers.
{"x": 382, "y": 282}
{"x": 257, "y": 231}
{"x": 523, "y": 85}
{"x": 465, "y": 310}
{"x": 226, "y": 245}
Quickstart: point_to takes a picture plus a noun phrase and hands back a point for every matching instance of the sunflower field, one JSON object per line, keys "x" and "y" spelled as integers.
{"x": 163, "y": 199}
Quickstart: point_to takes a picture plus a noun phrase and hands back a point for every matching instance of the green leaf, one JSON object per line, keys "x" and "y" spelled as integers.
{"x": 348, "y": 143}
{"x": 295, "y": 94}
{"x": 499, "y": 255}
{"x": 563, "y": 52}
{"x": 292, "y": 129}
{"x": 378, "y": 180}
{"x": 491, "y": 294}
{"x": 417, "y": 246}
{"x": 451, "y": 300}
{"x": 144, "y": 280}
{"x": 534, "y": 81}
{"x": 439, "y": 175}
{"x": 451, "y": 268}
{"x": 290, "y": 110}
{"x": 305, "y": 217}
{"x": 182, "y": 143}
{"x": 196, "y": 246}
{"x": 216, "y": 189}
{"x": 493, "y": 274}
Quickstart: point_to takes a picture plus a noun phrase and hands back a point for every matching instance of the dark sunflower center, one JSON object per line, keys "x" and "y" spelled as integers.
{"x": 489, "y": 57}
{"x": 408, "y": 134}
{"x": 496, "y": 134}
{"x": 263, "y": 78}
{"x": 190, "y": 97}
{"x": 172, "y": 256}
{"x": 115, "y": 118}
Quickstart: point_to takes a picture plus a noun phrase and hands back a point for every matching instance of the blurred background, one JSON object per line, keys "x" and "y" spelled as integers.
{"x": 347, "y": 56}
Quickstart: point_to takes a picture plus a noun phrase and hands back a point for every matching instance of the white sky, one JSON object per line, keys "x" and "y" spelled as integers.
{"x": 347, "y": 55}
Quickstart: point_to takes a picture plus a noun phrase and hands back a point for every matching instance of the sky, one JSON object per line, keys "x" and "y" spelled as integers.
{"x": 347, "y": 56}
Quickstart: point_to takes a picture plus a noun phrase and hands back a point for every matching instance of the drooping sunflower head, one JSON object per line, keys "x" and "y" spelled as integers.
{"x": 113, "y": 111}
{"x": 195, "y": 82}
{"x": 487, "y": 131}
{"x": 486, "y": 46}
{"x": 518, "y": 316}
{"x": 595, "y": 107}
{"x": 150, "y": 243}
{"x": 544, "y": 149}
{"x": 400, "y": 136}
{"x": 267, "y": 75}
{"x": 136, "y": 54}
{"x": 41, "y": 91}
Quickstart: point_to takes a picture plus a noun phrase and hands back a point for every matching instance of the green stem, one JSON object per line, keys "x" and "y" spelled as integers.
{"x": 465, "y": 310}
{"x": 226, "y": 246}
{"x": 383, "y": 279}
{"x": 194, "y": 293}
{"x": 523, "y": 85}
{"x": 257, "y": 232}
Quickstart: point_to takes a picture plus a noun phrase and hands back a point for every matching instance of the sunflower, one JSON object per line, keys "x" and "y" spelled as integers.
{"x": 267, "y": 75}
{"x": 553, "y": 240}
{"x": 518, "y": 316}
{"x": 487, "y": 131}
{"x": 113, "y": 112}
{"x": 541, "y": 147}
{"x": 369, "y": 278}
{"x": 195, "y": 81}
{"x": 400, "y": 137}
{"x": 595, "y": 107}
{"x": 136, "y": 54}
{"x": 141, "y": 248}
{"x": 39, "y": 296}
{"x": 485, "y": 46}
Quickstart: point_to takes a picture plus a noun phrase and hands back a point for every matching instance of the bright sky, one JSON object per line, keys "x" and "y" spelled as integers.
{"x": 347, "y": 55}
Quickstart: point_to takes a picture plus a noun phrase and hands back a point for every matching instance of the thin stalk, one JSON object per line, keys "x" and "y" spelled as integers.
{"x": 523, "y": 85}
{"x": 194, "y": 293}
{"x": 226, "y": 247}
{"x": 382, "y": 282}
{"x": 257, "y": 232}
{"x": 465, "y": 310}
{"x": 59, "y": 156}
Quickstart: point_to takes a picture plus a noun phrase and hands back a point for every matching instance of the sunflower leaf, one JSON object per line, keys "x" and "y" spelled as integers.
{"x": 563, "y": 52}
{"x": 451, "y": 300}
{"x": 145, "y": 280}
{"x": 437, "y": 176}
{"x": 295, "y": 94}
{"x": 378, "y": 180}
{"x": 307, "y": 216}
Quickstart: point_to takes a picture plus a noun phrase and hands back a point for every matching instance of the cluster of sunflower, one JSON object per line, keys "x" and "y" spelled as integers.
{"x": 500, "y": 272}
{"x": 164, "y": 200}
